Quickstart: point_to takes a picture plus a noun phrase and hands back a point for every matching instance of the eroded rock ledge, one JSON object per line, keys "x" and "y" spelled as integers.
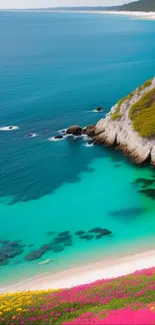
{"x": 119, "y": 133}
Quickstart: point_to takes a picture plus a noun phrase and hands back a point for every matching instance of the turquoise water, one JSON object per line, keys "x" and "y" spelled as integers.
{"x": 55, "y": 69}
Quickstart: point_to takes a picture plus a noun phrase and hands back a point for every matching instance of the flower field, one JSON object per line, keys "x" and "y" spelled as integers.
{"x": 125, "y": 300}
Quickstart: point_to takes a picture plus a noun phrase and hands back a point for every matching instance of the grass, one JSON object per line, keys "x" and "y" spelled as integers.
{"x": 142, "y": 114}
{"x": 97, "y": 299}
{"x": 116, "y": 115}
{"x": 145, "y": 85}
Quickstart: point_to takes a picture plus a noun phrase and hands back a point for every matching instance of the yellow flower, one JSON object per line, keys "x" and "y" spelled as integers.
{"x": 19, "y": 309}
{"x": 1, "y": 313}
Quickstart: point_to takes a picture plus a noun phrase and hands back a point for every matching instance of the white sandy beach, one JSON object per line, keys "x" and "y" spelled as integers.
{"x": 133, "y": 14}
{"x": 112, "y": 268}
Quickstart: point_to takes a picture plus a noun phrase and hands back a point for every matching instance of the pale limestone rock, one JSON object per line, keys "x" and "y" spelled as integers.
{"x": 153, "y": 157}
{"x": 108, "y": 131}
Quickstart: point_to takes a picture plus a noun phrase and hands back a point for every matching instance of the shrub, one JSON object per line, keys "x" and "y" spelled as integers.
{"x": 142, "y": 114}
{"x": 117, "y": 115}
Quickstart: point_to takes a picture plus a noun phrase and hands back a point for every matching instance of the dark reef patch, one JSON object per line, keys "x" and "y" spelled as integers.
{"x": 95, "y": 230}
{"x": 144, "y": 182}
{"x": 34, "y": 255}
{"x": 126, "y": 212}
{"x": 46, "y": 247}
{"x": 4, "y": 263}
{"x": 80, "y": 232}
{"x": 68, "y": 243}
{"x": 150, "y": 192}
{"x": 15, "y": 243}
{"x": 50, "y": 233}
{"x": 4, "y": 242}
{"x": 62, "y": 239}
{"x": 64, "y": 233}
{"x": 9, "y": 250}
{"x": 87, "y": 237}
{"x": 58, "y": 248}
{"x": 146, "y": 186}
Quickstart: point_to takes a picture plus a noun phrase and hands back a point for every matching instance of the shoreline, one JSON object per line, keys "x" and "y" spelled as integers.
{"x": 112, "y": 268}
{"x": 137, "y": 14}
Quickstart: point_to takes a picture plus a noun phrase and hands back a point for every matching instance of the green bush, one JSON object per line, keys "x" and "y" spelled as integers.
{"x": 145, "y": 85}
{"x": 142, "y": 114}
{"x": 117, "y": 115}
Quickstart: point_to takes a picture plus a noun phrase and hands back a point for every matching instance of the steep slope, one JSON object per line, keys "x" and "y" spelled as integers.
{"x": 142, "y": 5}
{"x": 130, "y": 125}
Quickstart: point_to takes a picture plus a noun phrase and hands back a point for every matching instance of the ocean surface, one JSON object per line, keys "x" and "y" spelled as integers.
{"x": 55, "y": 69}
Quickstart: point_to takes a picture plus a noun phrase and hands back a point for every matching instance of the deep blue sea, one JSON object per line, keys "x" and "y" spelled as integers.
{"x": 55, "y": 69}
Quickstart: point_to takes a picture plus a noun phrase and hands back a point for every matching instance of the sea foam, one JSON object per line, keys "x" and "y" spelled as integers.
{"x": 9, "y": 128}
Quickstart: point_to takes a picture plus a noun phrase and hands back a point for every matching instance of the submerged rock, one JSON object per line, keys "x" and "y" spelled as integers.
{"x": 4, "y": 262}
{"x": 10, "y": 251}
{"x": 58, "y": 249}
{"x": 64, "y": 233}
{"x": 95, "y": 230}
{"x": 87, "y": 237}
{"x": 74, "y": 130}
{"x": 46, "y": 247}
{"x": 14, "y": 243}
{"x": 150, "y": 192}
{"x": 80, "y": 232}
{"x": 68, "y": 243}
{"x": 145, "y": 182}
{"x": 127, "y": 212}
{"x": 58, "y": 137}
{"x": 4, "y": 242}
{"x": 99, "y": 109}
{"x": 50, "y": 233}
{"x": 34, "y": 255}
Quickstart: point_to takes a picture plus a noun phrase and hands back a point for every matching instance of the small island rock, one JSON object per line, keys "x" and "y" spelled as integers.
{"x": 74, "y": 130}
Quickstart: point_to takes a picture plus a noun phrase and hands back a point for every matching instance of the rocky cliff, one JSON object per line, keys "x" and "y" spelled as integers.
{"x": 130, "y": 125}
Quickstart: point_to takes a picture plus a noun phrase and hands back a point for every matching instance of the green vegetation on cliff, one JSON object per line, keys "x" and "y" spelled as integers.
{"x": 145, "y": 85}
{"x": 116, "y": 114}
{"x": 141, "y": 5}
{"x": 142, "y": 114}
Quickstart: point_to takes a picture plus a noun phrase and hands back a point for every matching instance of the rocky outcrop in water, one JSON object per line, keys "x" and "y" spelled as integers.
{"x": 74, "y": 130}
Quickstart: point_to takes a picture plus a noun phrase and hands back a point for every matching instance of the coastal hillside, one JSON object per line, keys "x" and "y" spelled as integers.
{"x": 141, "y": 5}
{"x": 130, "y": 125}
{"x": 125, "y": 300}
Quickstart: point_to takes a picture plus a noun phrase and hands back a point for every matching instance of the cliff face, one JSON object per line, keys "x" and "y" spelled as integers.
{"x": 119, "y": 128}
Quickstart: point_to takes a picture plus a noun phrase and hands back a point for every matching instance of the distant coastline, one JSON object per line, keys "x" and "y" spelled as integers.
{"x": 134, "y": 14}
{"x": 139, "y": 14}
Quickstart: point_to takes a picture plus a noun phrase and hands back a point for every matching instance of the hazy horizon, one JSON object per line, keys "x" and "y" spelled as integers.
{"x": 25, "y": 4}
